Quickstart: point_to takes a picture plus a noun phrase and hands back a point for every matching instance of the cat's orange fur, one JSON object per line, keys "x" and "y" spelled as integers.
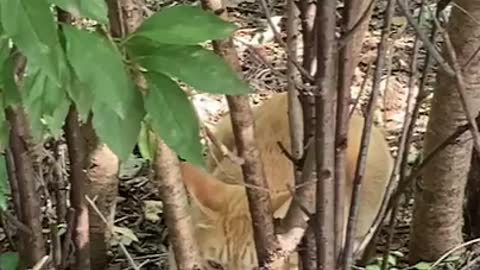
{"x": 222, "y": 224}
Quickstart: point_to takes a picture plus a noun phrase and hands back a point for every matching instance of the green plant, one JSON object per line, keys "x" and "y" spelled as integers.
{"x": 96, "y": 73}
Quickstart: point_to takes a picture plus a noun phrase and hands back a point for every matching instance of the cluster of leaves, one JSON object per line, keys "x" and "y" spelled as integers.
{"x": 67, "y": 65}
{"x": 97, "y": 74}
{"x": 393, "y": 263}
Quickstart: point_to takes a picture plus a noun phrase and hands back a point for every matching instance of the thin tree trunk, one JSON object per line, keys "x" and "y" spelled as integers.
{"x": 24, "y": 172}
{"x": 325, "y": 101}
{"x": 437, "y": 220}
{"x": 259, "y": 202}
{"x": 168, "y": 179}
{"x": 78, "y": 180}
{"x": 348, "y": 61}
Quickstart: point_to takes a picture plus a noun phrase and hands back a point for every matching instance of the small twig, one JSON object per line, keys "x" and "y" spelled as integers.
{"x": 448, "y": 253}
{"x": 67, "y": 242}
{"x": 365, "y": 139}
{"x": 360, "y": 93}
{"x": 286, "y": 153}
{"x": 8, "y": 233}
{"x": 462, "y": 10}
{"x": 278, "y": 38}
{"x": 298, "y": 202}
{"x": 404, "y": 143}
{"x": 429, "y": 46}
{"x": 223, "y": 149}
{"x": 22, "y": 227}
{"x": 419, "y": 168}
{"x": 389, "y": 201}
{"x": 122, "y": 247}
{"x": 39, "y": 265}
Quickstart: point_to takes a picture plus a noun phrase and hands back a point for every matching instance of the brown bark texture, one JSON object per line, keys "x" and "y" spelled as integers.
{"x": 437, "y": 222}
{"x": 349, "y": 57}
{"x": 243, "y": 128}
{"x": 179, "y": 223}
{"x": 325, "y": 103}
{"x": 34, "y": 249}
{"x": 78, "y": 180}
{"x": 472, "y": 208}
{"x": 103, "y": 165}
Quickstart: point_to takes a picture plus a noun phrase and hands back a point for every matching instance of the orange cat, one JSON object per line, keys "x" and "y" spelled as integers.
{"x": 222, "y": 223}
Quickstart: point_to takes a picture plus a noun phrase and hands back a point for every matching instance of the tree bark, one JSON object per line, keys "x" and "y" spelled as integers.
{"x": 437, "y": 220}
{"x": 325, "y": 108}
{"x": 348, "y": 60}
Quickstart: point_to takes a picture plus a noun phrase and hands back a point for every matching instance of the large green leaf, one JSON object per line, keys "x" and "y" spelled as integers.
{"x": 9, "y": 261}
{"x": 32, "y": 28}
{"x": 43, "y": 100}
{"x": 98, "y": 65}
{"x": 56, "y": 120}
{"x": 120, "y": 134}
{"x": 194, "y": 65}
{"x": 93, "y": 9}
{"x": 184, "y": 25}
{"x": 8, "y": 85}
{"x": 82, "y": 96}
{"x": 173, "y": 117}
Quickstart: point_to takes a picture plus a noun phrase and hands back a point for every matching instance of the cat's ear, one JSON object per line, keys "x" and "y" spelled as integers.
{"x": 206, "y": 189}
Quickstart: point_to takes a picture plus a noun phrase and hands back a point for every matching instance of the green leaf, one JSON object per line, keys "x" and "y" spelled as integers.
{"x": 56, "y": 121}
{"x": 3, "y": 185}
{"x": 31, "y": 26}
{"x": 173, "y": 117}
{"x": 392, "y": 260}
{"x": 422, "y": 266}
{"x": 373, "y": 267}
{"x": 93, "y": 9}
{"x": 98, "y": 65}
{"x": 184, "y": 25}
{"x": 120, "y": 134}
{"x": 7, "y": 81}
{"x": 82, "y": 96}
{"x": 147, "y": 142}
{"x": 8, "y": 85}
{"x": 194, "y": 65}
{"x": 9, "y": 261}
{"x": 43, "y": 100}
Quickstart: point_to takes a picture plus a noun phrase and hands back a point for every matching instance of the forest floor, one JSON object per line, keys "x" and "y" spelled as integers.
{"x": 139, "y": 211}
{"x": 263, "y": 62}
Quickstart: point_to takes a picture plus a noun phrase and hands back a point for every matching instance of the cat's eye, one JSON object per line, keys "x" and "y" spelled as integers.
{"x": 215, "y": 265}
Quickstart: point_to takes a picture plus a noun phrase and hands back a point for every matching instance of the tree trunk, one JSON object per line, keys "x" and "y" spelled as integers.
{"x": 437, "y": 221}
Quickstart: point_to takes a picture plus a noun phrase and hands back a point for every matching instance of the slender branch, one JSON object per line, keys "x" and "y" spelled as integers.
{"x": 266, "y": 244}
{"x": 278, "y": 38}
{"x": 108, "y": 226}
{"x": 365, "y": 139}
{"x": 223, "y": 149}
{"x": 325, "y": 112}
{"x": 429, "y": 46}
{"x": 78, "y": 180}
{"x": 404, "y": 142}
